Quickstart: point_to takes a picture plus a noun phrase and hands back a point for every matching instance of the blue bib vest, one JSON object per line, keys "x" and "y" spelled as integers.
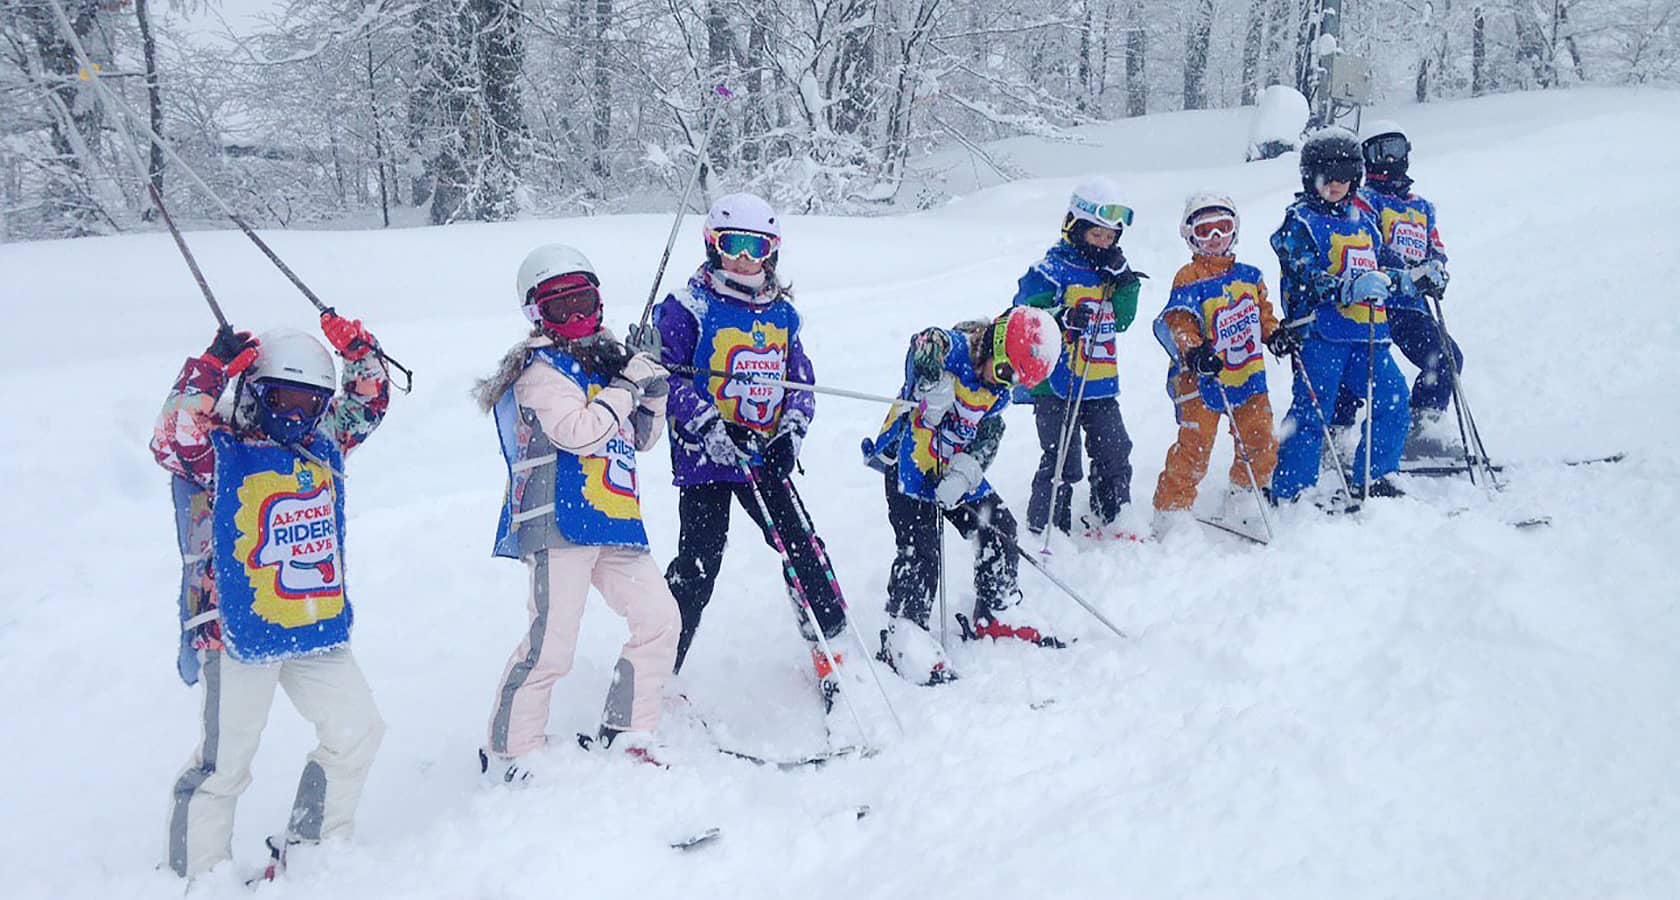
{"x": 922, "y": 450}
{"x": 1344, "y": 246}
{"x": 1094, "y": 354}
{"x": 277, "y": 553}
{"x": 1405, "y": 224}
{"x": 1227, "y": 307}
{"x": 595, "y": 500}
{"x": 743, "y": 340}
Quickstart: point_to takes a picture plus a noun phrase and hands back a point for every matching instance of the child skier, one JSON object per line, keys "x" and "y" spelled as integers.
{"x": 1087, "y": 284}
{"x": 259, "y": 516}
{"x": 572, "y": 408}
{"x": 1411, "y": 242}
{"x": 934, "y": 454}
{"x": 728, "y": 435}
{"x": 1213, "y": 326}
{"x": 1335, "y": 298}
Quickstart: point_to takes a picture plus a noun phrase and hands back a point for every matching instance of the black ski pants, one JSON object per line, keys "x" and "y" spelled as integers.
{"x": 915, "y": 570}
{"x": 1106, "y": 443}
{"x": 703, "y": 510}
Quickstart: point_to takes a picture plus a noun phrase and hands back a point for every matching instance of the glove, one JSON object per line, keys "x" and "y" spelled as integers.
{"x": 962, "y": 475}
{"x": 347, "y": 336}
{"x": 1202, "y": 358}
{"x": 1075, "y": 319}
{"x": 936, "y": 399}
{"x": 1427, "y": 277}
{"x": 645, "y": 339}
{"x": 1285, "y": 341}
{"x": 1372, "y": 286}
{"x": 231, "y": 352}
{"x": 719, "y": 445}
{"x": 643, "y": 376}
{"x": 782, "y": 453}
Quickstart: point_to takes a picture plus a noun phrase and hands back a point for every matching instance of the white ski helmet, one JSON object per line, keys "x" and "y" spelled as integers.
{"x": 1201, "y": 201}
{"x": 1097, "y": 200}
{"x": 546, "y": 262}
{"x": 286, "y": 354}
{"x": 743, "y": 212}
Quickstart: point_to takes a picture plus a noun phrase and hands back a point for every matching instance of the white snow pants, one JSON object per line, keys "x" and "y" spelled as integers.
{"x": 328, "y": 689}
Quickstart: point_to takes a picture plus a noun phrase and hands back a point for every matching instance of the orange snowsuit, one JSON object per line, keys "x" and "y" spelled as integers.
{"x": 1198, "y": 426}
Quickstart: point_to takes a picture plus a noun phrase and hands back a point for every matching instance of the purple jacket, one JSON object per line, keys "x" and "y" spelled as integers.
{"x": 716, "y": 328}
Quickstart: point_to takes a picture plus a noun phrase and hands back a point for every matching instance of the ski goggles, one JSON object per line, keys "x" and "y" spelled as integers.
{"x": 749, "y": 244}
{"x": 1002, "y": 371}
{"x": 286, "y": 399}
{"x": 1347, "y": 170}
{"x": 1387, "y": 148}
{"x": 564, "y": 298}
{"x": 1214, "y": 227}
{"x": 569, "y": 307}
{"x": 1108, "y": 215}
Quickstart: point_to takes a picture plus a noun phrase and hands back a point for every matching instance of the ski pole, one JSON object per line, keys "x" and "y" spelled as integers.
{"x": 1070, "y": 424}
{"x": 1467, "y": 422}
{"x": 682, "y": 204}
{"x": 1370, "y": 396}
{"x": 798, "y": 587}
{"x": 135, "y": 119}
{"x": 1324, "y": 425}
{"x": 821, "y": 551}
{"x": 1458, "y": 407}
{"x": 1045, "y": 571}
{"x": 1242, "y": 451}
{"x": 791, "y": 385}
{"x": 939, "y": 525}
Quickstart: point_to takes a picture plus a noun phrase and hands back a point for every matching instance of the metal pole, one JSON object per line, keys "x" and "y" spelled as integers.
{"x": 134, "y": 117}
{"x": 792, "y": 385}
{"x": 682, "y": 204}
{"x": 1070, "y": 414}
{"x": 799, "y": 588}
{"x": 1324, "y": 425}
{"x": 1242, "y": 451}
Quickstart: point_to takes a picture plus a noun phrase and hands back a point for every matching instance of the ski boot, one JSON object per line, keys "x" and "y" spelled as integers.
{"x": 513, "y": 770}
{"x": 1168, "y": 521}
{"x": 1014, "y": 618}
{"x": 639, "y": 746}
{"x": 909, "y": 650}
{"x": 279, "y": 847}
{"x": 1242, "y": 510}
{"x": 1427, "y": 443}
{"x": 1385, "y": 487}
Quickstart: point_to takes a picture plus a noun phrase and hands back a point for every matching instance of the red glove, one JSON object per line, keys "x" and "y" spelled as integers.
{"x": 232, "y": 351}
{"x": 347, "y": 336}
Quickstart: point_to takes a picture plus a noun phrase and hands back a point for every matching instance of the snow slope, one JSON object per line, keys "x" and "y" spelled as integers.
{"x": 1408, "y": 704}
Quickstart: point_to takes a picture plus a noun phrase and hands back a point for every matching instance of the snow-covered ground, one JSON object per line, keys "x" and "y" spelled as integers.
{"x": 1408, "y": 704}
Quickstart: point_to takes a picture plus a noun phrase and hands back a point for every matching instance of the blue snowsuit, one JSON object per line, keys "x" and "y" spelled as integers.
{"x": 1322, "y": 247}
{"x": 1407, "y": 224}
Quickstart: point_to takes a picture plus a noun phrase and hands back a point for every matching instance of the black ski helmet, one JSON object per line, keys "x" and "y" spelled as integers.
{"x": 1331, "y": 154}
{"x": 1386, "y": 150}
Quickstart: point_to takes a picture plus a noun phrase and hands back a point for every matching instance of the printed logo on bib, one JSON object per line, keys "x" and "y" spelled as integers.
{"x": 1236, "y": 328}
{"x": 1352, "y": 254}
{"x": 609, "y": 476}
{"x": 288, "y": 542}
{"x": 1407, "y": 233}
{"x": 934, "y": 447}
{"x": 762, "y": 352}
{"x": 1102, "y": 331}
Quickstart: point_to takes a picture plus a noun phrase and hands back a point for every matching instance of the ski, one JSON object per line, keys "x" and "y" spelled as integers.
{"x": 1231, "y": 529}
{"x": 1530, "y": 522}
{"x": 709, "y": 835}
{"x": 813, "y": 761}
{"x": 1457, "y": 468}
{"x": 697, "y": 839}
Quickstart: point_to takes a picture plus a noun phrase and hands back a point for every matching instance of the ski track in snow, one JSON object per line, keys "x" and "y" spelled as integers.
{"x": 1407, "y": 704}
